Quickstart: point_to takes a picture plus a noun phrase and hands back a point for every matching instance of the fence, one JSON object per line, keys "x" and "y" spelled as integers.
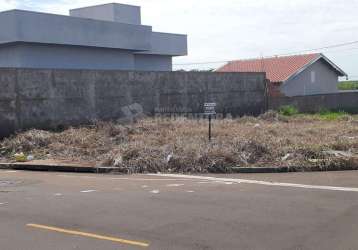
{"x": 35, "y": 98}
{"x": 342, "y": 101}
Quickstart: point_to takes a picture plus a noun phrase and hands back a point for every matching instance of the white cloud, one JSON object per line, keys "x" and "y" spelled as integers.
{"x": 7, "y": 4}
{"x": 229, "y": 29}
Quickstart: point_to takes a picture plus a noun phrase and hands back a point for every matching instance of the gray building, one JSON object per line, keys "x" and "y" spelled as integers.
{"x": 108, "y": 36}
{"x": 296, "y": 75}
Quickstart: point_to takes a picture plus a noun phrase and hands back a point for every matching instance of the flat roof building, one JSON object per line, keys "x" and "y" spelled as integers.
{"x": 107, "y": 37}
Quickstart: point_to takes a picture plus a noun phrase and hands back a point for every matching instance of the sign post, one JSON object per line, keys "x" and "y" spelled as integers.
{"x": 209, "y": 110}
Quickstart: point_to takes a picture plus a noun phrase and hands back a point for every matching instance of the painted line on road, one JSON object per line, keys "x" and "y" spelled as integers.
{"x": 145, "y": 179}
{"x": 88, "y": 191}
{"x": 89, "y": 235}
{"x": 3, "y": 203}
{"x": 224, "y": 182}
{"x": 175, "y": 185}
{"x": 89, "y": 177}
{"x": 117, "y": 178}
{"x": 266, "y": 183}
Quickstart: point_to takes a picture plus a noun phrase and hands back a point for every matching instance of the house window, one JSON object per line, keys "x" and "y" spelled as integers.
{"x": 313, "y": 76}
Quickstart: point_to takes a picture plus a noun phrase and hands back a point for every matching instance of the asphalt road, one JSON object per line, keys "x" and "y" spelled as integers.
{"x": 41, "y": 211}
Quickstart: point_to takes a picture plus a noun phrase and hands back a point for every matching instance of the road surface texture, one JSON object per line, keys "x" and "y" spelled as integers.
{"x": 43, "y": 210}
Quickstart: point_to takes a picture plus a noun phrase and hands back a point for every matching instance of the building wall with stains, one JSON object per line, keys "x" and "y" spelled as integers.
{"x": 46, "y": 99}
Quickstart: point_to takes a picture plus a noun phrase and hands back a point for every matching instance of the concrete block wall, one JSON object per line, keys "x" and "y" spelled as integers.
{"x": 43, "y": 98}
{"x": 341, "y": 101}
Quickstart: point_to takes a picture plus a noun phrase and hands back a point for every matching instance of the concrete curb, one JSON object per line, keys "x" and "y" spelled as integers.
{"x": 235, "y": 170}
{"x": 290, "y": 169}
{"x": 56, "y": 168}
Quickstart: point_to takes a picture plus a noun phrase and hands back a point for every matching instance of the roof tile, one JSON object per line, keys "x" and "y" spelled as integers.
{"x": 278, "y": 69}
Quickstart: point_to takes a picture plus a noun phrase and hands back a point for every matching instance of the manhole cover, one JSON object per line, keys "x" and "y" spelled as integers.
{"x": 8, "y": 183}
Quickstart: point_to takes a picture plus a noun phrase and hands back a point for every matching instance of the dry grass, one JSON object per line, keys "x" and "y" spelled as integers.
{"x": 181, "y": 146}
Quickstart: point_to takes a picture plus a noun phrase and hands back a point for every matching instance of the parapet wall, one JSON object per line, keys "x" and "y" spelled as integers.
{"x": 35, "y": 98}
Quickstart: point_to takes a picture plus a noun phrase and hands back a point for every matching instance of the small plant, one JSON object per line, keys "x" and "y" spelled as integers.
{"x": 328, "y": 115}
{"x": 288, "y": 110}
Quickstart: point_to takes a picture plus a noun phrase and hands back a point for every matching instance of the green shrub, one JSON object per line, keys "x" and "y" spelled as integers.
{"x": 288, "y": 110}
{"x": 328, "y": 115}
{"x": 348, "y": 85}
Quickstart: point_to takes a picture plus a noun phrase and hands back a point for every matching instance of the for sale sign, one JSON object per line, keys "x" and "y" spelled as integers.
{"x": 209, "y": 108}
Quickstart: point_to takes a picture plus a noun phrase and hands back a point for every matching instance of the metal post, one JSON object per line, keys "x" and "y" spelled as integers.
{"x": 209, "y": 128}
{"x": 209, "y": 110}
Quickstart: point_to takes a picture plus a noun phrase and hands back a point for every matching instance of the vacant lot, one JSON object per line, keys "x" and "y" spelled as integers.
{"x": 181, "y": 145}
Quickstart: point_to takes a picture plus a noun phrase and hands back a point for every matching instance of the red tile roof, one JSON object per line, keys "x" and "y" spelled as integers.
{"x": 278, "y": 69}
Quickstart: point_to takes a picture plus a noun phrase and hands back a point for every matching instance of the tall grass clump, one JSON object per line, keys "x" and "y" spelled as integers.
{"x": 288, "y": 110}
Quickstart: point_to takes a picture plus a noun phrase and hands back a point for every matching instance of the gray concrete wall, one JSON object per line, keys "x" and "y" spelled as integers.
{"x": 21, "y": 55}
{"x": 9, "y": 56}
{"x": 342, "y": 101}
{"x": 33, "y": 27}
{"x": 326, "y": 80}
{"x": 114, "y": 12}
{"x": 26, "y": 55}
{"x": 153, "y": 63}
{"x": 167, "y": 44}
{"x": 40, "y": 40}
{"x": 51, "y": 98}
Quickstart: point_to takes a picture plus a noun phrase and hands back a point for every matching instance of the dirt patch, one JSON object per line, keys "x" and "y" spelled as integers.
{"x": 181, "y": 146}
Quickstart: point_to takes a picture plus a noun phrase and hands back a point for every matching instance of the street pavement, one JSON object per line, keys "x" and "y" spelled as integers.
{"x": 44, "y": 210}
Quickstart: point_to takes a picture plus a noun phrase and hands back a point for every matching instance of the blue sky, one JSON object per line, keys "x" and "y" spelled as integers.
{"x": 233, "y": 29}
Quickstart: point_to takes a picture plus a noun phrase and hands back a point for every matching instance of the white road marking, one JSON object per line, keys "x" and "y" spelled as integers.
{"x": 266, "y": 183}
{"x": 142, "y": 179}
{"x": 213, "y": 182}
{"x": 58, "y": 194}
{"x": 66, "y": 175}
{"x": 155, "y": 191}
{"x": 88, "y": 177}
{"x": 11, "y": 171}
{"x": 224, "y": 182}
{"x": 119, "y": 178}
{"x": 88, "y": 191}
{"x": 190, "y": 191}
{"x": 4, "y": 203}
{"x": 175, "y": 185}
{"x": 144, "y": 186}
